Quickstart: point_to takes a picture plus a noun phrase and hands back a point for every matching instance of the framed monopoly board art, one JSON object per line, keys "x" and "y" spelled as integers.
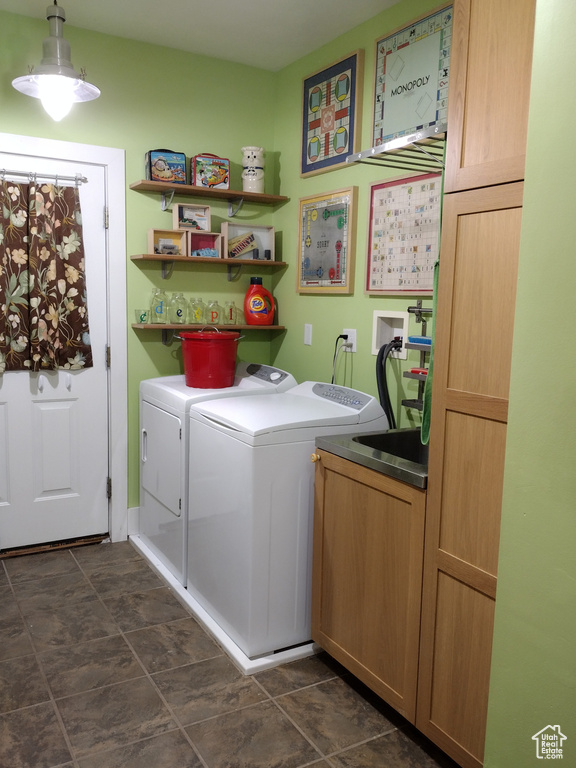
{"x": 327, "y": 234}
{"x": 331, "y": 110}
{"x": 411, "y": 77}
{"x": 404, "y": 233}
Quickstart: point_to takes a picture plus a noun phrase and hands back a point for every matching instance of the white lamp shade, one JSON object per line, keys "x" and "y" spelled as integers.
{"x": 55, "y": 82}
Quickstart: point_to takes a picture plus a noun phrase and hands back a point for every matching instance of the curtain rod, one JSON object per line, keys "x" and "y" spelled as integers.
{"x": 32, "y": 176}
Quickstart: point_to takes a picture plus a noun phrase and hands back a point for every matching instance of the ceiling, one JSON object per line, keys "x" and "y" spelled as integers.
{"x": 269, "y": 34}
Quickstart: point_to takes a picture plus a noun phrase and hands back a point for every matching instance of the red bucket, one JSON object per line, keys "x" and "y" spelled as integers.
{"x": 209, "y": 358}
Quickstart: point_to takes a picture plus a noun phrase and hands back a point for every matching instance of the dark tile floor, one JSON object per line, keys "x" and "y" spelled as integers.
{"x": 101, "y": 667}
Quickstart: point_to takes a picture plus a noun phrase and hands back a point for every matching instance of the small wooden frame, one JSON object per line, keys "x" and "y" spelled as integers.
{"x": 243, "y": 242}
{"x": 167, "y": 242}
{"x": 188, "y": 216}
{"x": 204, "y": 244}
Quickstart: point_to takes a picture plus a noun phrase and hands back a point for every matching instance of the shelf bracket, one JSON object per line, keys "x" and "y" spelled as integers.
{"x": 168, "y": 336}
{"x": 165, "y": 205}
{"x": 232, "y": 277}
{"x": 167, "y": 269}
{"x": 418, "y": 311}
{"x": 233, "y": 211}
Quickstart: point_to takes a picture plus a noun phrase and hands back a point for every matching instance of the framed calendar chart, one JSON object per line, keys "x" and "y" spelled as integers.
{"x": 327, "y": 234}
{"x": 331, "y": 110}
{"x": 404, "y": 235}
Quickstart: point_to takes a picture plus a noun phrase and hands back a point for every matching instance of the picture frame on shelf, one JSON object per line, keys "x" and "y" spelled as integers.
{"x": 188, "y": 216}
{"x": 326, "y": 242}
{"x": 167, "y": 242}
{"x": 247, "y": 242}
{"x": 411, "y": 74}
{"x": 404, "y": 235}
{"x": 331, "y": 114}
{"x": 206, "y": 245}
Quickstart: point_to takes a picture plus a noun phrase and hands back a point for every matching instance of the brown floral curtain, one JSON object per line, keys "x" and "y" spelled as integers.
{"x": 43, "y": 306}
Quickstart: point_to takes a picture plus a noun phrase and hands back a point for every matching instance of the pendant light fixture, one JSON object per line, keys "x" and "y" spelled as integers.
{"x": 55, "y": 82}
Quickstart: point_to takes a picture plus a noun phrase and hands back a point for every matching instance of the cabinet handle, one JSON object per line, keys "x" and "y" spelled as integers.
{"x": 315, "y": 457}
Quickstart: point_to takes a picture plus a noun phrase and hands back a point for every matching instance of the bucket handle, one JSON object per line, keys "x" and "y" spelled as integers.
{"x": 209, "y": 326}
{"x": 202, "y": 329}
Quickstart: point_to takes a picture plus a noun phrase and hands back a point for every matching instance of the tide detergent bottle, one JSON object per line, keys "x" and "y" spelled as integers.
{"x": 258, "y": 304}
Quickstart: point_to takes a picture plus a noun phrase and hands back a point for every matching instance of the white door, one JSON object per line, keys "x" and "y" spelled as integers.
{"x": 54, "y": 425}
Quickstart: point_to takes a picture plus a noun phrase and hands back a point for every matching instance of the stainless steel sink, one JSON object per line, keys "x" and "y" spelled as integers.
{"x": 398, "y": 453}
{"x": 404, "y": 443}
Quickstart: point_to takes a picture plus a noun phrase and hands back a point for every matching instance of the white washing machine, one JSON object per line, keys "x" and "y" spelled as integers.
{"x": 164, "y": 406}
{"x": 251, "y": 506}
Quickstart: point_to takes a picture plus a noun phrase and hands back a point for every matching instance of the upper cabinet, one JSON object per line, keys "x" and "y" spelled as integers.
{"x": 490, "y": 72}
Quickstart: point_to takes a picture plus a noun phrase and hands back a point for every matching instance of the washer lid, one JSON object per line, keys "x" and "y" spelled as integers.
{"x": 297, "y": 408}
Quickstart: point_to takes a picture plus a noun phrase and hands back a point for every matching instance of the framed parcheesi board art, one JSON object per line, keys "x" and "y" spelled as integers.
{"x": 404, "y": 233}
{"x": 411, "y": 77}
{"x": 331, "y": 110}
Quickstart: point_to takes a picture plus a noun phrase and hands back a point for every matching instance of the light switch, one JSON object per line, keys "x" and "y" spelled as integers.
{"x": 307, "y": 334}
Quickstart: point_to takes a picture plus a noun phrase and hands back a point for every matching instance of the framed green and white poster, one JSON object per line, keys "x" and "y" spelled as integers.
{"x": 327, "y": 234}
{"x": 331, "y": 110}
{"x": 411, "y": 77}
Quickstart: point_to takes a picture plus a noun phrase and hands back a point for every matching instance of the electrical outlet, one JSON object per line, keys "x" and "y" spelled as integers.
{"x": 351, "y": 340}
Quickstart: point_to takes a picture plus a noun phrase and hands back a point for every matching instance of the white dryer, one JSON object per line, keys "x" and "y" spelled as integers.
{"x": 251, "y": 506}
{"x": 164, "y": 406}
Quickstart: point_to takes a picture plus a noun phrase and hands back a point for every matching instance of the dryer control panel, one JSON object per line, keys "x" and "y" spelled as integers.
{"x": 267, "y": 373}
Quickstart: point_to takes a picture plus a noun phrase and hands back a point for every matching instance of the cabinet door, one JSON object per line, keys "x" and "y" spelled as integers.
{"x": 490, "y": 72}
{"x": 160, "y": 459}
{"x": 367, "y": 576}
{"x": 476, "y": 298}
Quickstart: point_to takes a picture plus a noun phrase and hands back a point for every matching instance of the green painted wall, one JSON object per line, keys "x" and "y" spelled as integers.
{"x": 151, "y": 97}
{"x": 157, "y": 97}
{"x": 329, "y": 315}
{"x": 534, "y": 671}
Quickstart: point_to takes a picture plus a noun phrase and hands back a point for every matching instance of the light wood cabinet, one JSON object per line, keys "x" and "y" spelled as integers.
{"x": 367, "y": 576}
{"x": 490, "y": 69}
{"x": 481, "y": 221}
{"x": 473, "y": 345}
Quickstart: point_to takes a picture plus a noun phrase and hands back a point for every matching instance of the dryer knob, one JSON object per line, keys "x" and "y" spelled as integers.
{"x": 275, "y": 375}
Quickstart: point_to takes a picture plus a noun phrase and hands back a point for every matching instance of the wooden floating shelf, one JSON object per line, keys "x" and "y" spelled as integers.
{"x": 220, "y": 194}
{"x": 207, "y": 260}
{"x": 207, "y": 326}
